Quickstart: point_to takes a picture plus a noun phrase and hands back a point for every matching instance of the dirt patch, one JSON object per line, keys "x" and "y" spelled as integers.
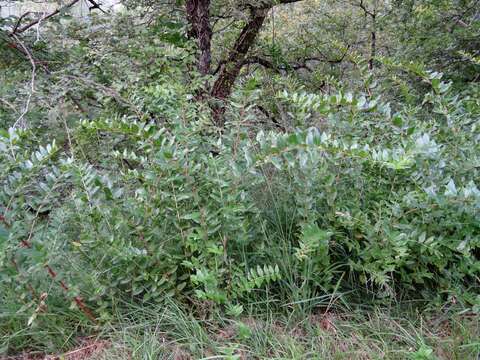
{"x": 88, "y": 349}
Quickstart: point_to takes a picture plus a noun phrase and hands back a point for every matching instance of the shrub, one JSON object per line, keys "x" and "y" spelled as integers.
{"x": 176, "y": 210}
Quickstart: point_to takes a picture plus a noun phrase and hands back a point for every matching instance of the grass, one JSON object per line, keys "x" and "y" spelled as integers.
{"x": 172, "y": 332}
{"x": 374, "y": 333}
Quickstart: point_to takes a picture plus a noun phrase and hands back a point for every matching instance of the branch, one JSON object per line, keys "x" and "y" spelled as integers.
{"x": 22, "y": 49}
{"x": 300, "y": 64}
{"x": 261, "y": 61}
{"x": 288, "y": 1}
{"x": 25, "y": 243}
{"x": 231, "y": 67}
{"x": 16, "y": 29}
{"x": 108, "y": 91}
{"x": 362, "y": 6}
{"x": 8, "y": 104}
{"x": 270, "y": 117}
{"x": 19, "y": 21}
{"x": 33, "y": 23}
{"x": 96, "y": 5}
{"x": 20, "y": 121}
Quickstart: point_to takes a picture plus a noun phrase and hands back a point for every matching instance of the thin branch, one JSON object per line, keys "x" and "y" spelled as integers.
{"x": 19, "y": 21}
{"x": 301, "y": 64}
{"x": 25, "y": 52}
{"x": 8, "y": 104}
{"x": 96, "y": 5}
{"x": 362, "y": 6}
{"x": 19, "y": 121}
{"x": 33, "y": 23}
{"x": 270, "y": 117}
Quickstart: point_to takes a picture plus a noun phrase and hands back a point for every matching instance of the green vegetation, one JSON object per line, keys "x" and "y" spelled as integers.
{"x": 241, "y": 180}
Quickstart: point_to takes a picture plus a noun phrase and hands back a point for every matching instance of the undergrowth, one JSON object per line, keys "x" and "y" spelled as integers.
{"x": 349, "y": 227}
{"x": 224, "y": 221}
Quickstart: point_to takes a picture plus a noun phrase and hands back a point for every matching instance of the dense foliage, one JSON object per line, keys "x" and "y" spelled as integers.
{"x": 338, "y": 167}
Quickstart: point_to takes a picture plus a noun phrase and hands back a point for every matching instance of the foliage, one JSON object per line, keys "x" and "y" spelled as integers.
{"x": 168, "y": 211}
{"x": 334, "y": 179}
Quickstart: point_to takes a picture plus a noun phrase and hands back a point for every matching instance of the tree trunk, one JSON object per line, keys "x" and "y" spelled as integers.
{"x": 198, "y": 16}
{"x": 230, "y": 69}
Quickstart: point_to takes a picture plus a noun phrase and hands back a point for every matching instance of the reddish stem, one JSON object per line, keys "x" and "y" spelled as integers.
{"x": 78, "y": 300}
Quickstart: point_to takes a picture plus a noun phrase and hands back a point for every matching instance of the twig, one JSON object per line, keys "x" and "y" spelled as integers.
{"x": 18, "y": 30}
{"x": 8, "y": 104}
{"x": 38, "y": 29}
{"x": 96, "y": 5}
{"x": 19, "y": 21}
{"x": 24, "y": 51}
{"x": 83, "y": 349}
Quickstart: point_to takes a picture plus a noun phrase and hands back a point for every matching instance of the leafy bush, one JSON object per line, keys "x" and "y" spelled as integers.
{"x": 171, "y": 211}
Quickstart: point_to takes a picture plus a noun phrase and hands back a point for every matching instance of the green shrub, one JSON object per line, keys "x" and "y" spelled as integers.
{"x": 139, "y": 211}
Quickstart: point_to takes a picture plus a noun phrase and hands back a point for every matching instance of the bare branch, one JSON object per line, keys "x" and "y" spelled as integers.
{"x": 20, "y": 122}
{"x": 19, "y": 21}
{"x": 362, "y": 6}
{"x": 17, "y": 30}
{"x": 96, "y": 5}
{"x": 8, "y": 104}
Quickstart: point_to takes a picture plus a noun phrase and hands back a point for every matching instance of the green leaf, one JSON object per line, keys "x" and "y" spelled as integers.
{"x": 397, "y": 120}
{"x": 3, "y": 234}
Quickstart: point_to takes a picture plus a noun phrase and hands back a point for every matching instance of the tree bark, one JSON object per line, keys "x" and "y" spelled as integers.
{"x": 198, "y": 16}
{"x": 230, "y": 69}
